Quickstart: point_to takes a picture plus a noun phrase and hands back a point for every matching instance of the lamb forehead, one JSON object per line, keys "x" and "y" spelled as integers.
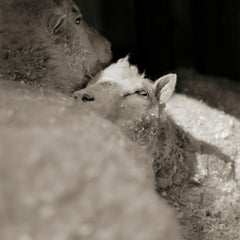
{"x": 124, "y": 74}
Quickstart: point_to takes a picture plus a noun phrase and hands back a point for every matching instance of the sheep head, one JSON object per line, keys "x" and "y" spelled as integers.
{"x": 128, "y": 98}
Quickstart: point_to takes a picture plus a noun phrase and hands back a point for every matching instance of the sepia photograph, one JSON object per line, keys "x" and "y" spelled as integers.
{"x": 119, "y": 120}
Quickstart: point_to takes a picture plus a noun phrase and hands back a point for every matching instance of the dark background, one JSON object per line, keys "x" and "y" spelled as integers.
{"x": 166, "y": 35}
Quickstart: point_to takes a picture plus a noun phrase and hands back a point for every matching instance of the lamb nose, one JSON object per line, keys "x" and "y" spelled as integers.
{"x": 87, "y": 97}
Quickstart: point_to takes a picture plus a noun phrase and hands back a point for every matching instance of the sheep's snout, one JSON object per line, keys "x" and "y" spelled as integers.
{"x": 83, "y": 96}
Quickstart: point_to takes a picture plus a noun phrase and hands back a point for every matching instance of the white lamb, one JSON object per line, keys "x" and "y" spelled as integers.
{"x": 194, "y": 148}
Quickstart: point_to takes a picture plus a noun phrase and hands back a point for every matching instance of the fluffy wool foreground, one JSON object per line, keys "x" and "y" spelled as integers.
{"x": 69, "y": 175}
{"x": 40, "y": 197}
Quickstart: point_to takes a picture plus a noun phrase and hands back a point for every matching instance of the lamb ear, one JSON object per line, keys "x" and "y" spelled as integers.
{"x": 164, "y": 87}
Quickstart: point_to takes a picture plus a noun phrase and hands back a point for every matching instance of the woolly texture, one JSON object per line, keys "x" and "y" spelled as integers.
{"x": 194, "y": 149}
{"x": 69, "y": 174}
{"x": 142, "y": 117}
{"x": 121, "y": 70}
{"x": 46, "y": 46}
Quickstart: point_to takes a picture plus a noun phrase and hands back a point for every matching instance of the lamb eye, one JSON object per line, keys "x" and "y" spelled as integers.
{"x": 78, "y": 20}
{"x": 143, "y": 93}
{"x": 107, "y": 84}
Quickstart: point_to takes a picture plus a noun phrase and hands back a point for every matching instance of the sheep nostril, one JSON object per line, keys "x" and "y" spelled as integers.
{"x": 87, "y": 98}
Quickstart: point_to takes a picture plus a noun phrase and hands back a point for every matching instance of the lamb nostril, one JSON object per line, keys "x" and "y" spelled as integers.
{"x": 87, "y": 98}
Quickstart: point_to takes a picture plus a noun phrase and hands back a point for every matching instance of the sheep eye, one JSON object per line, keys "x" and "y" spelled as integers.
{"x": 107, "y": 84}
{"x": 143, "y": 93}
{"x": 78, "y": 20}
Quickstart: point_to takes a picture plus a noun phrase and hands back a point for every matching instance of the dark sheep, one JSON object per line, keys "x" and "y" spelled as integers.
{"x": 48, "y": 43}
